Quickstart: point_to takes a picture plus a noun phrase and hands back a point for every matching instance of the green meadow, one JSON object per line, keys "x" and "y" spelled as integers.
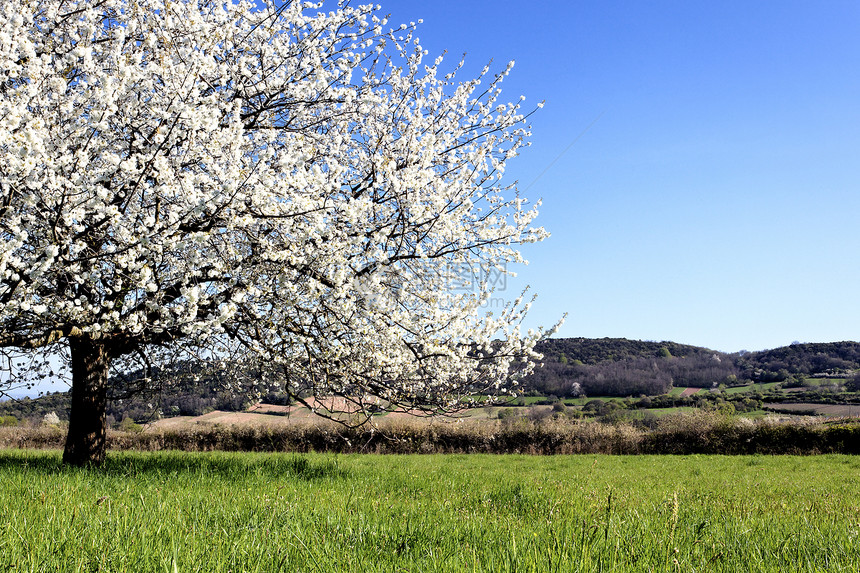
{"x": 178, "y": 512}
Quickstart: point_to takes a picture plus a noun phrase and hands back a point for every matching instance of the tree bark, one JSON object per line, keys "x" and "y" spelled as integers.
{"x": 86, "y": 441}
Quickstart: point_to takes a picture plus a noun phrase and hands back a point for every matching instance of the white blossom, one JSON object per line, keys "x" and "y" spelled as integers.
{"x": 293, "y": 180}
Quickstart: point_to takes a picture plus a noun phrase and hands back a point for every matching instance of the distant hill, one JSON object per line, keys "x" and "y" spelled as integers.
{"x": 622, "y": 367}
{"x": 808, "y": 359}
{"x": 571, "y": 367}
{"x": 596, "y": 350}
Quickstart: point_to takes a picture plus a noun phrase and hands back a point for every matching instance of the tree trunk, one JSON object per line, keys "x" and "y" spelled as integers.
{"x": 85, "y": 444}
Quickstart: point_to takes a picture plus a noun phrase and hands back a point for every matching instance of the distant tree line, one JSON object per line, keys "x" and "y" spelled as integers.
{"x": 571, "y": 367}
{"x": 596, "y": 350}
{"x": 621, "y": 367}
{"x": 186, "y": 389}
{"x": 630, "y": 377}
{"x": 829, "y": 358}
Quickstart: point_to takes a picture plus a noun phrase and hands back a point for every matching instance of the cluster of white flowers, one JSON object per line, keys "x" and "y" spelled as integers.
{"x": 190, "y": 170}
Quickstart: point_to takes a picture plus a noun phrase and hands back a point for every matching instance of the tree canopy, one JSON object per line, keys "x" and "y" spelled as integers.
{"x": 299, "y": 184}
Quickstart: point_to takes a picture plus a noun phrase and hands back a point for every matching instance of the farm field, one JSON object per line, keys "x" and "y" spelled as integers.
{"x": 271, "y": 512}
{"x": 827, "y": 410}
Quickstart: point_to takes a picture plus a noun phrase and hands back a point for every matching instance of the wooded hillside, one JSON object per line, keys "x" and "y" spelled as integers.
{"x": 571, "y": 367}
{"x": 622, "y": 367}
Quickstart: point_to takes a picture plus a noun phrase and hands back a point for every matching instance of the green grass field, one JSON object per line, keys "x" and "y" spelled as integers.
{"x": 280, "y": 512}
{"x": 664, "y": 411}
{"x": 752, "y": 388}
{"x": 584, "y": 401}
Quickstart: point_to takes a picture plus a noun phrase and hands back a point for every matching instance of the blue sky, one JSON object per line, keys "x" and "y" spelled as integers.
{"x": 714, "y": 199}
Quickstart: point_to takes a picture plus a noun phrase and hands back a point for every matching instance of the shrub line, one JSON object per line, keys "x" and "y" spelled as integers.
{"x": 695, "y": 433}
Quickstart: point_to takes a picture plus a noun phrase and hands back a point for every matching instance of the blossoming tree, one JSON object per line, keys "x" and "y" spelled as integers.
{"x": 299, "y": 184}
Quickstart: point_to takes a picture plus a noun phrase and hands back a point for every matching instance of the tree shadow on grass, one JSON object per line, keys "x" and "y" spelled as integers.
{"x": 225, "y": 465}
